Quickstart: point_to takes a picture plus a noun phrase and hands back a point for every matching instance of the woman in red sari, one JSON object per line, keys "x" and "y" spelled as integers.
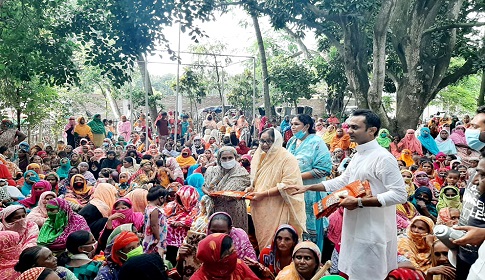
{"x": 219, "y": 260}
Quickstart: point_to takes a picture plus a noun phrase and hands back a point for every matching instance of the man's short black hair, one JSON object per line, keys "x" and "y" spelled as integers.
{"x": 371, "y": 119}
{"x": 481, "y": 110}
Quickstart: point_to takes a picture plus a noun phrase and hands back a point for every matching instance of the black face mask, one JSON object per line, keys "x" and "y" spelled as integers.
{"x": 79, "y": 185}
{"x": 209, "y": 119}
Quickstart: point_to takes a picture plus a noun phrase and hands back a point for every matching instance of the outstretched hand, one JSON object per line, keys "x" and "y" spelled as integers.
{"x": 295, "y": 189}
{"x": 473, "y": 236}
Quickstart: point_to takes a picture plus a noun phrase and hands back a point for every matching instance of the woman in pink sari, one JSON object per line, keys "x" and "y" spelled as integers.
{"x": 124, "y": 206}
{"x": 38, "y": 215}
{"x": 37, "y": 190}
{"x": 9, "y": 255}
{"x": 411, "y": 143}
{"x": 13, "y": 218}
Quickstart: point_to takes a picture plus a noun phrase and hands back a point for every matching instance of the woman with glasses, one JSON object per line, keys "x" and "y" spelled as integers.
{"x": 272, "y": 168}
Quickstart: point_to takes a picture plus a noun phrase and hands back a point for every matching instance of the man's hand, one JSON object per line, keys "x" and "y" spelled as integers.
{"x": 448, "y": 271}
{"x": 473, "y": 236}
{"x": 348, "y": 202}
{"x": 295, "y": 189}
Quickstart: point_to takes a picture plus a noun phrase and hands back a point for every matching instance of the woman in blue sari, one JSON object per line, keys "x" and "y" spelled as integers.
{"x": 315, "y": 164}
{"x": 427, "y": 141}
{"x": 30, "y": 178}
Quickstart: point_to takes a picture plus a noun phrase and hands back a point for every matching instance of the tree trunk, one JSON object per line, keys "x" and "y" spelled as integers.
{"x": 152, "y": 107}
{"x": 19, "y": 112}
{"x": 481, "y": 96}
{"x": 113, "y": 104}
{"x": 219, "y": 86}
{"x": 264, "y": 65}
{"x": 381, "y": 26}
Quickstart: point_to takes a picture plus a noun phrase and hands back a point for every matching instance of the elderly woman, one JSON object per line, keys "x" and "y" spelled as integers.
{"x": 145, "y": 174}
{"x": 445, "y": 144}
{"x": 84, "y": 170}
{"x": 306, "y": 262}
{"x": 62, "y": 221}
{"x": 272, "y": 168}
{"x": 416, "y": 245}
{"x": 78, "y": 193}
{"x": 13, "y": 218}
{"x": 228, "y": 175}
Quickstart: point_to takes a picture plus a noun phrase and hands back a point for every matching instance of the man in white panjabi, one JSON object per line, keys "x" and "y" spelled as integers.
{"x": 369, "y": 231}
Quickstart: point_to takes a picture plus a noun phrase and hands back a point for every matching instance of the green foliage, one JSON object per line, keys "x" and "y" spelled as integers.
{"x": 32, "y": 47}
{"x": 241, "y": 91}
{"x": 192, "y": 85}
{"x": 460, "y": 98}
{"x": 119, "y": 32}
{"x": 291, "y": 80}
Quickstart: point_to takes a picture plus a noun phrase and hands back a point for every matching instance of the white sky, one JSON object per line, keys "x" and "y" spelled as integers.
{"x": 228, "y": 29}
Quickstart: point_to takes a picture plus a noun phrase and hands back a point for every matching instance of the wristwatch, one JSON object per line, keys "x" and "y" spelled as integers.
{"x": 359, "y": 202}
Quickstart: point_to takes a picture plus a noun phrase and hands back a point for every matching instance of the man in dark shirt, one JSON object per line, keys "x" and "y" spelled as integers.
{"x": 473, "y": 211}
{"x": 163, "y": 128}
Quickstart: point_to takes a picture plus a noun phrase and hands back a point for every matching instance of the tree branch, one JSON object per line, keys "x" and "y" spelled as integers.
{"x": 454, "y": 25}
{"x": 299, "y": 42}
{"x": 457, "y": 75}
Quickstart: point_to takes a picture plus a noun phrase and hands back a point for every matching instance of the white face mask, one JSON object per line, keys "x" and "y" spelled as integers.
{"x": 228, "y": 164}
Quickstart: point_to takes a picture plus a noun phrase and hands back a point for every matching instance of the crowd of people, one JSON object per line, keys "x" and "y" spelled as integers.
{"x": 235, "y": 200}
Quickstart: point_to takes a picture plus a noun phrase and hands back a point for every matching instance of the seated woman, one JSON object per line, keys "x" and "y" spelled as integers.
{"x": 53, "y": 179}
{"x": 39, "y": 256}
{"x": 421, "y": 179}
{"x": 221, "y": 222}
{"x": 416, "y": 246}
{"x": 186, "y": 160}
{"x": 129, "y": 166}
{"x": 9, "y": 255}
{"x": 78, "y": 193}
{"x": 30, "y": 178}
{"x": 306, "y": 262}
{"x": 279, "y": 254}
{"x": 97, "y": 211}
{"x": 180, "y": 214}
{"x": 123, "y": 186}
{"x": 37, "y": 190}
{"x": 421, "y": 199}
{"x": 145, "y": 174}
{"x": 219, "y": 260}
{"x": 440, "y": 264}
{"x": 13, "y": 218}
{"x": 38, "y": 215}
{"x": 80, "y": 245}
{"x": 62, "y": 221}
{"x": 63, "y": 170}
{"x": 122, "y": 213}
{"x": 449, "y": 197}
{"x": 65, "y": 184}
{"x": 448, "y": 217}
{"x": 125, "y": 246}
{"x": 172, "y": 164}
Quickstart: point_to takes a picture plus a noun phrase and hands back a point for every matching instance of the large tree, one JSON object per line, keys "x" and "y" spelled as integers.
{"x": 423, "y": 36}
{"x": 120, "y": 34}
{"x": 35, "y": 54}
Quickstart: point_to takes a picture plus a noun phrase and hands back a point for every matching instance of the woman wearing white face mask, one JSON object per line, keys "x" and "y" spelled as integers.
{"x": 228, "y": 175}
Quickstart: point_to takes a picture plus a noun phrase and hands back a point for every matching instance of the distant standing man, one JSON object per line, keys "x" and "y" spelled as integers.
{"x": 163, "y": 128}
{"x": 369, "y": 231}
